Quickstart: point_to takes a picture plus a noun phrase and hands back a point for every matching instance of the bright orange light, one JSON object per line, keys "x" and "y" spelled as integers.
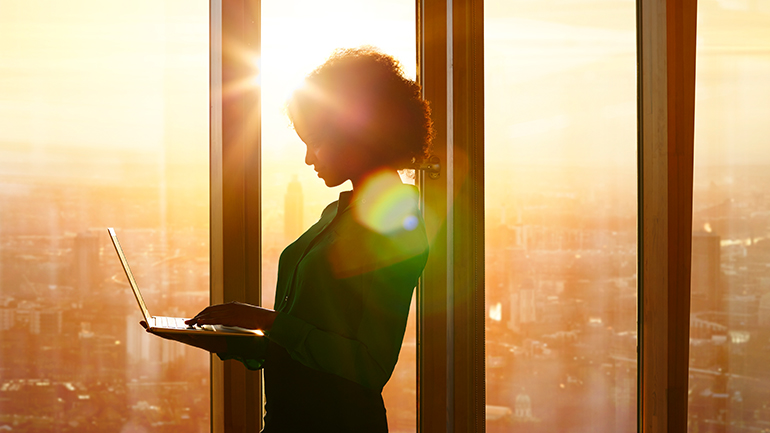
{"x": 496, "y": 312}
{"x": 256, "y": 79}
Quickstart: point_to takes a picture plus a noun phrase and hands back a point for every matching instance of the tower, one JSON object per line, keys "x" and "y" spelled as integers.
{"x": 706, "y": 288}
{"x": 292, "y": 210}
{"x": 86, "y": 263}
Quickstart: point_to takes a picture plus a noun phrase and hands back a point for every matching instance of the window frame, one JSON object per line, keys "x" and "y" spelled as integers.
{"x": 451, "y": 360}
{"x": 235, "y": 183}
{"x": 666, "y": 35}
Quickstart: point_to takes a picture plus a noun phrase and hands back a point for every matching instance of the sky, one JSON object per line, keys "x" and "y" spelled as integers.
{"x": 83, "y": 78}
{"x": 80, "y": 73}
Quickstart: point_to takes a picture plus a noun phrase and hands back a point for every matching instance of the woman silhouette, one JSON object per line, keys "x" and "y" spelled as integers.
{"x": 344, "y": 286}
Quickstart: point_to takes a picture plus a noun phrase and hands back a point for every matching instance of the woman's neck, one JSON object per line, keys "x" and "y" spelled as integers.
{"x": 378, "y": 176}
{"x": 375, "y": 184}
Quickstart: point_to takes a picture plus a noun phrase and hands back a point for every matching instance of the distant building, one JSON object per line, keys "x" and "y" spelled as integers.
{"x": 764, "y": 310}
{"x": 523, "y": 406}
{"x": 293, "y": 209}
{"x": 140, "y": 346}
{"x": 522, "y": 304}
{"x": 87, "y": 269}
{"x": 46, "y": 322}
{"x": 523, "y": 410}
{"x": 706, "y": 273}
{"x": 7, "y": 318}
{"x": 32, "y": 317}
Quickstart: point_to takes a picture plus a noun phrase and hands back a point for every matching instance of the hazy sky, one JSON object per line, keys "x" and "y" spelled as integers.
{"x": 93, "y": 74}
{"x": 560, "y": 78}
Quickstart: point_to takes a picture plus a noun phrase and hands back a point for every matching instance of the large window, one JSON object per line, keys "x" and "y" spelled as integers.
{"x": 560, "y": 203}
{"x": 292, "y": 196}
{"x": 730, "y": 307}
{"x": 103, "y": 123}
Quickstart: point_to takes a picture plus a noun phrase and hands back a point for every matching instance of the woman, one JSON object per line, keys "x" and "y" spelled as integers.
{"x": 344, "y": 287}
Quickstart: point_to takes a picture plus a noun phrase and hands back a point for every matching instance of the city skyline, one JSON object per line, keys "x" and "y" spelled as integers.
{"x": 114, "y": 131}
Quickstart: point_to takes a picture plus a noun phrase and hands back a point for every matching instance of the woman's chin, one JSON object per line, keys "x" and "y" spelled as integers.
{"x": 330, "y": 179}
{"x": 331, "y": 183}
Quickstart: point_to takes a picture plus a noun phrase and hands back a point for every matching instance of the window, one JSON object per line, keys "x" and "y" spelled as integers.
{"x": 560, "y": 211}
{"x": 103, "y": 123}
{"x": 103, "y": 111}
{"x": 730, "y": 275}
{"x": 292, "y": 196}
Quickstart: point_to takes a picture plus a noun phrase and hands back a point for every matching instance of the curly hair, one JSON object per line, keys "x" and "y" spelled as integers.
{"x": 362, "y": 95}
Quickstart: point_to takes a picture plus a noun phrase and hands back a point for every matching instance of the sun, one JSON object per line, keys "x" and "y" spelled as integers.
{"x": 297, "y": 38}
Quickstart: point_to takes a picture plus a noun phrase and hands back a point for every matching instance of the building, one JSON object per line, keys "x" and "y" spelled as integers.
{"x": 293, "y": 210}
{"x": 86, "y": 265}
{"x": 706, "y": 273}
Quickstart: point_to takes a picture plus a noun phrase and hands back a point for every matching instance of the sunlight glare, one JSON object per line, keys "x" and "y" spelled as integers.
{"x": 290, "y": 54}
{"x": 256, "y": 78}
{"x": 385, "y": 208}
{"x": 496, "y": 312}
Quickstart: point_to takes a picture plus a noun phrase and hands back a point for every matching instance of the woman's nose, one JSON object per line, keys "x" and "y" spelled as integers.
{"x": 310, "y": 156}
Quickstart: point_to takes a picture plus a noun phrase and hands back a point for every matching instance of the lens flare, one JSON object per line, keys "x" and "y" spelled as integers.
{"x": 386, "y": 207}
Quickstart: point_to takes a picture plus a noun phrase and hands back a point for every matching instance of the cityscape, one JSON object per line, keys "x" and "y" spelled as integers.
{"x": 561, "y": 246}
{"x": 561, "y": 326}
{"x": 74, "y": 357}
{"x": 561, "y": 301}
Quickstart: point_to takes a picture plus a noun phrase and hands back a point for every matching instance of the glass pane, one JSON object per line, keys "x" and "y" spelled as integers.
{"x": 730, "y": 308}
{"x": 298, "y": 36}
{"x": 560, "y": 216}
{"x": 103, "y": 123}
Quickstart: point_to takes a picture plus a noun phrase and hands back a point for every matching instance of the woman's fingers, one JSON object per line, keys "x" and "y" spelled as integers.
{"x": 213, "y": 312}
{"x": 209, "y": 318}
{"x": 234, "y": 314}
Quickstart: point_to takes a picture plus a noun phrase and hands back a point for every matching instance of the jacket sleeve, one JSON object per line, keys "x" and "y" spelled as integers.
{"x": 251, "y": 351}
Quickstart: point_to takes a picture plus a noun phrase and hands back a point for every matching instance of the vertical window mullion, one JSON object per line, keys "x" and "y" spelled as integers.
{"x": 667, "y": 98}
{"x": 467, "y": 207}
{"x": 451, "y": 333}
{"x": 432, "y": 367}
{"x": 235, "y": 197}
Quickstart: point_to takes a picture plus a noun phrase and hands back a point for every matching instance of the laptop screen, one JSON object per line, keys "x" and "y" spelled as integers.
{"x": 130, "y": 276}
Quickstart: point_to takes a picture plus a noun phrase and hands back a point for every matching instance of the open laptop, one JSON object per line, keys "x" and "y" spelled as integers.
{"x": 161, "y": 325}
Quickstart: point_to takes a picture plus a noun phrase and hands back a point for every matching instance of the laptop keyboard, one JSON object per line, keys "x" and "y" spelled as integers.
{"x": 170, "y": 323}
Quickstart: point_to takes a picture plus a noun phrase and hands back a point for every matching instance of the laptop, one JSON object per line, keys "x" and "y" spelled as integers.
{"x": 173, "y": 325}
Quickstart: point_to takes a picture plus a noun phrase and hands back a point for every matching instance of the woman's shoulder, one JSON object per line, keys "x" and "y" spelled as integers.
{"x": 390, "y": 210}
{"x": 378, "y": 233}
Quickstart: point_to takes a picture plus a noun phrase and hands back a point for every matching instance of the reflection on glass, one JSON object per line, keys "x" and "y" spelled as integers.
{"x": 103, "y": 122}
{"x": 730, "y": 303}
{"x": 560, "y": 216}
{"x": 297, "y": 36}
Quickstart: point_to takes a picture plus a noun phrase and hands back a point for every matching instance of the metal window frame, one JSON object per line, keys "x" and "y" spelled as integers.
{"x": 236, "y": 397}
{"x": 451, "y": 372}
{"x": 666, "y": 33}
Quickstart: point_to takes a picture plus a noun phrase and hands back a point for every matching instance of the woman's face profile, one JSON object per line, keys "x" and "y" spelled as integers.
{"x": 334, "y": 160}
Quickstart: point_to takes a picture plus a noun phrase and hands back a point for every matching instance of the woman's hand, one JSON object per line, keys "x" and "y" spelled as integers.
{"x": 235, "y": 314}
{"x": 209, "y": 343}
